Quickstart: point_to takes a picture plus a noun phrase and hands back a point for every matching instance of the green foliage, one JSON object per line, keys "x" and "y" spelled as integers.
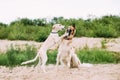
{"x": 14, "y": 57}
{"x": 106, "y": 31}
{"x": 42, "y": 34}
{"x": 28, "y": 33}
{"x": 3, "y": 59}
{"x": 39, "y": 29}
{"x": 96, "y": 56}
{"x": 4, "y": 32}
{"x": 29, "y": 22}
{"x": 52, "y": 57}
{"x": 3, "y": 25}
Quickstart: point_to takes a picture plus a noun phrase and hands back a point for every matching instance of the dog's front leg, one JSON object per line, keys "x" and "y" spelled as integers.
{"x": 57, "y": 59}
{"x": 43, "y": 59}
{"x": 69, "y": 61}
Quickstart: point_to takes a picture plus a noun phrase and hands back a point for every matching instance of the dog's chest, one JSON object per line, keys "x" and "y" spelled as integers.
{"x": 64, "y": 47}
{"x": 51, "y": 40}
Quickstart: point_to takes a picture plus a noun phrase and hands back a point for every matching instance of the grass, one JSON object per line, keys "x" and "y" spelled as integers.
{"x": 4, "y": 60}
{"x": 39, "y": 29}
{"x": 52, "y": 56}
{"x": 96, "y": 56}
{"x": 14, "y": 57}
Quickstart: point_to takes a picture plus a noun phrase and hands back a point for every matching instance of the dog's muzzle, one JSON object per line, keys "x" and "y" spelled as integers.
{"x": 68, "y": 32}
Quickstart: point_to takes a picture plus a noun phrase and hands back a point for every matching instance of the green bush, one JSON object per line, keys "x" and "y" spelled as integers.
{"x": 96, "y": 56}
{"x": 4, "y": 31}
{"x": 52, "y": 56}
{"x": 17, "y": 56}
{"x": 14, "y": 57}
{"x": 28, "y": 33}
{"x": 4, "y": 60}
{"x": 42, "y": 34}
{"x": 39, "y": 29}
{"x": 105, "y": 31}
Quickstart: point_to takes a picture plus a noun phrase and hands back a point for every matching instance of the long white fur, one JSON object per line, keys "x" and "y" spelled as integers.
{"x": 67, "y": 57}
{"x": 52, "y": 39}
{"x": 64, "y": 54}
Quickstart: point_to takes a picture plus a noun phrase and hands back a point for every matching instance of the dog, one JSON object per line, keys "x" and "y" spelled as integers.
{"x": 52, "y": 39}
{"x": 66, "y": 53}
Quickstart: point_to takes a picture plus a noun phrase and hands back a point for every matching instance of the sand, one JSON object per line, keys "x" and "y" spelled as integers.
{"x": 96, "y": 72}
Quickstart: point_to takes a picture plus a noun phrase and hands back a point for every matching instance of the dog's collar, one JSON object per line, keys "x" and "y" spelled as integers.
{"x": 54, "y": 32}
{"x": 67, "y": 38}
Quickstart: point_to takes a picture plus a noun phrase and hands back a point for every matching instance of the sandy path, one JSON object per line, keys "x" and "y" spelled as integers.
{"x": 78, "y": 43}
{"x": 97, "y": 72}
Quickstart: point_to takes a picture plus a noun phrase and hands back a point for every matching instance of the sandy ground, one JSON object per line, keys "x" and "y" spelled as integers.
{"x": 112, "y": 44}
{"x": 97, "y": 72}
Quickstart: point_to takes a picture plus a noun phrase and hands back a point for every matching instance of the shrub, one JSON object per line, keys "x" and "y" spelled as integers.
{"x": 4, "y": 31}
{"x": 96, "y": 56}
{"x": 52, "y": 56}
{"x": 105, "y": 31}
{"x": 39, "y": 29}
{"x": 28, "y": 33}
{"x": 14, "y": 57}
{"x": 42, "y": 34}
{"x": 4, "y": 60}
{"x": 17, "y": 56}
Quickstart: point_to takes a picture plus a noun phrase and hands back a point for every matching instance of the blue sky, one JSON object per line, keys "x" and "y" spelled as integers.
{"x": 10, "y": 10}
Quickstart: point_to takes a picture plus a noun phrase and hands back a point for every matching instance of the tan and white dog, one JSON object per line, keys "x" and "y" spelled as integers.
{"x": 52, "y": 39}
{"x": 66, "y": 53}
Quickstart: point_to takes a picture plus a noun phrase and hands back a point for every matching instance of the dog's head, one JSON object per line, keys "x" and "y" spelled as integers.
{"x": 70, "y": 32}
{"x": 57, "y": 27}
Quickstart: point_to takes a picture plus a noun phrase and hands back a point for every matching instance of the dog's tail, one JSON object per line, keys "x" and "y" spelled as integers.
{"x": 30, "y": 61}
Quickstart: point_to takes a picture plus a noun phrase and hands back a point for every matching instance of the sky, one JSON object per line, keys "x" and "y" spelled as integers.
{"x": 11, "y": 10}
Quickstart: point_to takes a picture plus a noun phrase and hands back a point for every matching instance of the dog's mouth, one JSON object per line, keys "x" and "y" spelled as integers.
{"x": 68, "y": 32}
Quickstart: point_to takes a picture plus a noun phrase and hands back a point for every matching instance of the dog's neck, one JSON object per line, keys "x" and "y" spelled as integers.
{"x": 54, "y": 31}
{"x": 67, "y": 38}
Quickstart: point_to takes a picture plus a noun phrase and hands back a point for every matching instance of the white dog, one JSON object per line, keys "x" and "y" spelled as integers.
{"x": 52, "y": 39}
